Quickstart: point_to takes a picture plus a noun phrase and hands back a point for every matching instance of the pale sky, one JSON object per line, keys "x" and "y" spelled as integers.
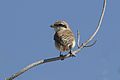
{"x": 26, "y": 36}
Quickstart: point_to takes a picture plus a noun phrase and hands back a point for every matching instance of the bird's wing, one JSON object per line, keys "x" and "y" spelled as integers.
{"x": 64, "y": 37}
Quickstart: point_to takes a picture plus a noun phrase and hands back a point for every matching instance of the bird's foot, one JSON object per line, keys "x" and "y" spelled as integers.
{"x": 71, "y": 54}
{"x": 62, "y": 56}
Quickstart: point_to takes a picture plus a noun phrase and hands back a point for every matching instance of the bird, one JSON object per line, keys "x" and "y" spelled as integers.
{"x": 64, "y": 38}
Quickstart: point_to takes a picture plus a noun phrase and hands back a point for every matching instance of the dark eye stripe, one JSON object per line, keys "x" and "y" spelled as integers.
{"x": 62, "y": 25}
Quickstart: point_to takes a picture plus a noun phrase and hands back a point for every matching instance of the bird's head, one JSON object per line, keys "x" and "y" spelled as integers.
{"x": 60, "y": 25}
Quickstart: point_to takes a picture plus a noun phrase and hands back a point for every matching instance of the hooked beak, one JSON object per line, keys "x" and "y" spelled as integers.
{"x": 52, "y": 26}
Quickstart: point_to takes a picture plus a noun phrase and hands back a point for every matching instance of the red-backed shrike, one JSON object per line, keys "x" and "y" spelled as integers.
{"x": 63, "y": 37}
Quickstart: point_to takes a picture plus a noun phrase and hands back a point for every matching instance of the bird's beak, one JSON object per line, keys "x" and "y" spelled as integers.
{"x": 52, "y": 26}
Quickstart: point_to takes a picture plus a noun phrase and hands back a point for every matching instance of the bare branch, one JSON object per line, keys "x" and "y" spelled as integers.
{"x": 98, "y": 26}
{"x": 91, "y": 44}
{"x": 78, "y": 38}
{"x": 65, "y": 56}
{"x": 38, "y": 63}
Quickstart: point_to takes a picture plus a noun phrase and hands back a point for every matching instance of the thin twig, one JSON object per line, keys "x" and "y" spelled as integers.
{"x": 65, "y": 56}
{"x": 78, "y": 38}
{"x": 91, "y": 44}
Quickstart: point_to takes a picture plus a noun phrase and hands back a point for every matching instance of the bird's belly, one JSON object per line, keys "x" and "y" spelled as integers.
{"x": 62, "y": 48}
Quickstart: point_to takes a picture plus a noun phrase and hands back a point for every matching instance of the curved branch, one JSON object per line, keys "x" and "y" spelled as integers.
{"x": 98, "y": 26}
{"x": 64, "y": 56}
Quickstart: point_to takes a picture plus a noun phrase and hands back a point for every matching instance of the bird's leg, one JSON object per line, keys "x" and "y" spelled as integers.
{"x": 73, "y": 55}
{"x": 62, "y": 56}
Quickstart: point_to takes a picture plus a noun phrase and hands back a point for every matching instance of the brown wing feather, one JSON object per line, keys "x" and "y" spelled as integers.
{"x": 64, "y": 39}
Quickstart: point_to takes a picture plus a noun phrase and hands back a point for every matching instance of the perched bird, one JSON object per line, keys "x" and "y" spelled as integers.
{"x": 63, "y": 37}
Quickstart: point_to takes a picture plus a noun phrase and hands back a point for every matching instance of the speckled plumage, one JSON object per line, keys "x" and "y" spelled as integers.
{"x": 63, "y": 37}
{"x": 64, "y": 40}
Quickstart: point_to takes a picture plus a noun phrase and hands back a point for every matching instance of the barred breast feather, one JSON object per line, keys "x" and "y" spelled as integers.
{"x": 64, "y": 40}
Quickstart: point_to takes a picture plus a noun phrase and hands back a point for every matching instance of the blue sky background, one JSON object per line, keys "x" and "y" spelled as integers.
{"x": 25, "y": 37}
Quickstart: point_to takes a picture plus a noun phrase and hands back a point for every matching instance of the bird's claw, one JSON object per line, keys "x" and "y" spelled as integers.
{"x": 71, "y": 54}
{"x": 62, "y": 57}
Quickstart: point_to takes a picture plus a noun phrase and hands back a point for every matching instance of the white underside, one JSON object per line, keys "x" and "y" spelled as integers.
{"x": 73, "y": 44}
